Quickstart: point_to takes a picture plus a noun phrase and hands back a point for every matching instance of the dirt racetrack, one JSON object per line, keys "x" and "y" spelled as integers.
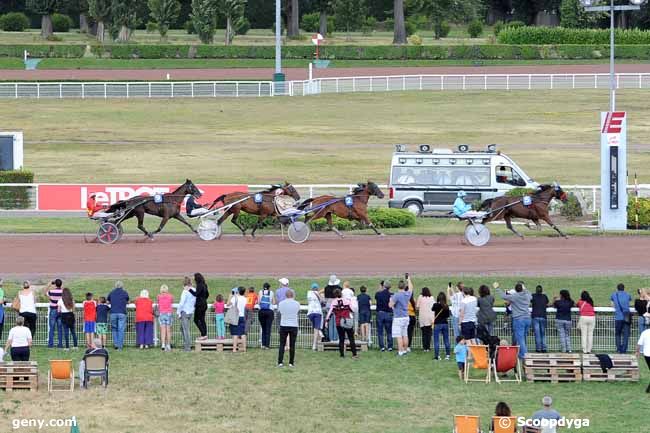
{"x": 31, "y": 256}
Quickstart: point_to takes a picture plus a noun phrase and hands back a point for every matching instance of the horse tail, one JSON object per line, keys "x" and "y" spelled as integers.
{"x": 304, "y": 204}
{"x": 487, "y": 204}
{"x": 217, "y": 200}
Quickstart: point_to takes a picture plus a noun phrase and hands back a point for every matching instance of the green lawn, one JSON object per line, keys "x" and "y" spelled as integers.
{"x": 152, "y": 392}
{"x": 322, "y": 139}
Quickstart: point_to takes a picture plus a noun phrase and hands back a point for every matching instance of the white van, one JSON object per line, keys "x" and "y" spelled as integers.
{"x": 429, "y": 179}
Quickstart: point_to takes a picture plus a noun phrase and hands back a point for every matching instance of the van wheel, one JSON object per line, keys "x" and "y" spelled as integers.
{"x": 415, "y": 207}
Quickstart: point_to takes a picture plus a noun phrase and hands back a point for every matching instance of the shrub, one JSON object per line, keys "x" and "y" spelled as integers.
{"x": 14, "y": 22}
{"x": 248, "y": 221}
{"x": 61, "y": 23}
{"x": 560, "y": 35}
{"x": 152, "y": 27}
{"x": 189, "y": 27}
{"x": 410, "y": 27}
{"x": 369, "y": 25}
{"x": 380, "y": 217}
{"x": 572, "y": 208}
{"x": 15, "y": 197}
{"x": 515, "y": 24}
{"x": 415, "y": 40}
{"x": 475, "y": 29}
{"x": 310, "y": 22}
{"x": 242, "y": 26}
{"x": 498, "y": 26}
{"x": 519, "y": 192}
{"x": 643, "y": 210}
{"x": 441, "y": 29}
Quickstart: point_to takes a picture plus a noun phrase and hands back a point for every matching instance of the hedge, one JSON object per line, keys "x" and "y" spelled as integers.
{"x": 540, "y": 35}
{"x": 643, "y": 210}
{"x": 15, "y": 197}
{"x": 58, "y": 51}
{"x": 380, "y": 217}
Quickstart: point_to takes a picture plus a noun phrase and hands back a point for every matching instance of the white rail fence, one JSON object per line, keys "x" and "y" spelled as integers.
{"x": 237, "y": 89}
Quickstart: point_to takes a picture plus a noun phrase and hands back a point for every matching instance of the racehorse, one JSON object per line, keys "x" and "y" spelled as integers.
{"x": 264, "y": 209}
{"x": 169, "y": 207}
{"x": 507, "y": 208}
{"x": 355, "y": 209}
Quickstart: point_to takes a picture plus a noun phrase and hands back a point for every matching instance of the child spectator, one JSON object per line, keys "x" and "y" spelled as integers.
{"x": 144, "y": 320}
{"x": 165, "y": 301}
{"x": 101, "y": 327}
{"x": 461, "y": 355}
{"x": 90, "y": 317}
{"x": 219, "y": 308}
{"x": 363, "y": 301}
{"x": 251, "y": 302}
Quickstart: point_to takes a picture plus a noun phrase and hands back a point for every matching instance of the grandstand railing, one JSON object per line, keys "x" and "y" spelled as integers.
{"x": 604, "y": 338}
{"x": 388, "y": 83}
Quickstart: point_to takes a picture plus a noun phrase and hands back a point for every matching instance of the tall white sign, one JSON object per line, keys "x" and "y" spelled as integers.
{"x": 613, "y": 170}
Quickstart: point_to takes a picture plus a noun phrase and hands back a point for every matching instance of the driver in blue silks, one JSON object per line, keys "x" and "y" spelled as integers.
{"x": 193, "y": 209}
{"x": 463, "y": 210}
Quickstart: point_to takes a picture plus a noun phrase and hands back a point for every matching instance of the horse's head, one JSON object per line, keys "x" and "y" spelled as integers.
{"x": 559, "y": 193}
{"x": 373, "y": 189}
{"x": 288, "y": 189}
{"x": 191, "y": 189}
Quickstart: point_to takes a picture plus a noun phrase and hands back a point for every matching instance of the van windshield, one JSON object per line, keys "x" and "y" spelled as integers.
{"x": 505, "y": 174}
{"x": 445, "y": 176}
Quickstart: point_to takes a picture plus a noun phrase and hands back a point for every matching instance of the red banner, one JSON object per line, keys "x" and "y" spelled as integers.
{"x": 74, "y": 197}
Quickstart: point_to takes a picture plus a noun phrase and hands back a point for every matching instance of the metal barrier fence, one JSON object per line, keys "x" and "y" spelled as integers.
{"x": 604, "y": 339}
{"x": 236, "y": 89}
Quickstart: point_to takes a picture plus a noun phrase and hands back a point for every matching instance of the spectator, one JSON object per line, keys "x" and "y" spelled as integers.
{"x": 53, "y": 291}
{"x": 424, "y": 305}
{"x": 96, "y": 348}
{"x": 519, "y": 301}
{"x": 102, "y": 320}
{"x": 90, "y": 319}
{"x": 364, "y": 302}
{"x": 460, "y": 352}
{"x": 440, "y": 325}
{"x": 144, "y": 322}
{"x": 455, "y": 297}
{"x": 546, "y": 414}
{"x": 185, "y": 312}
{"x": 342, "y": 310}
{"x": 19, "y": 340}
{"x": 410, "y": 307}
{"x": 165, "y": 317}
{"x": 399, "y": 303}
{"x": 539, "y": 303}
{"x": 563, "y": 305}
{"x": 238, "y": 331}
{"x": 501, "y": 410}
{"x": 2, "y": 309}
{"x": 266, "y": 315}
{"x": 486, "y": 315}
{"x": 27, "y": 300}
{"x": 220, "y": 317}
{"x": 384, "y": 316}
{"x": 347, "y": 292}
{"x": 118, "y": 299}
{"x": 332, "y": 286}
{"x": 201, "y": 306}
{"x": 66, "y": 311}
{"x": 467, "y": 314}
{"x": 641, "y": 305}
{"x": 622, "y": 317}
{"x": 251, "y": 302}
{"x": 289, "y": 309}
{"x": 281, "y": 295}
{"x": 643, "y": 346}
{"x": 314, "y": 314}
{"x": 587, "y": 321}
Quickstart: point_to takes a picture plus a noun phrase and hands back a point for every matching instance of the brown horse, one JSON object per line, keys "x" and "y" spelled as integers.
{"x": 170, "y": 207}
{"x": 357, "y": 209}
{"x": 507, "y": 208}
{"x": 264, "y": 209}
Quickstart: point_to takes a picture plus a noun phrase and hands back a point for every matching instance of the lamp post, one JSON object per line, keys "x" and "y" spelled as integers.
{"x": 278, "y": 75}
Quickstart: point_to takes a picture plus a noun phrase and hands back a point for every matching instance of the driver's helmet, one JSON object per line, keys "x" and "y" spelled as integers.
{"x": 461, "y": 194}
{"x": 279, "y": 192}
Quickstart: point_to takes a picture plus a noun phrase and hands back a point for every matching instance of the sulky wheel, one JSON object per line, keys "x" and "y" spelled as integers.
{"x": 108, "y": 233}
{"x": 477, "y": 234}
{"x": 298, "y": 232}
{"x": 209, "y": 229}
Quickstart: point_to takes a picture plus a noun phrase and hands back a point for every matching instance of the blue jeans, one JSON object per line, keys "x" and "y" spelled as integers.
{"x": 455, "y": 326}
{"x": 641, "y": 325}
{"x": 118, "y": 326}
{"x": 520, "y": 328}
{"x": 384, "y": 323}
{"x": 564, "y": 331}
{"x": 439, "y": 329}
{"x": 54, "y": 322}
{"x": 539, "y": 328}
{"x": 622, "y": 334}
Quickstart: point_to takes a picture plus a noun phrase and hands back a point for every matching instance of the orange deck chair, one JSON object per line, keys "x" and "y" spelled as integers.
{"x": 480, "y": 359}
{"x": 60, "y": 370}
{"x": 506, "y": 359}
{"x": 504, "y": 424}
{"x": 466, "y": 424}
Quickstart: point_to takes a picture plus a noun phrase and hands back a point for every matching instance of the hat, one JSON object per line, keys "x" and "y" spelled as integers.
{"x": 333, "y": 280}
{"x": 547, "y": 400}
{"x": 234, "y": 290}
{"x": 461, "y": 193}
{"x": 284, "y": 281}
{"x": 314, "y": 286}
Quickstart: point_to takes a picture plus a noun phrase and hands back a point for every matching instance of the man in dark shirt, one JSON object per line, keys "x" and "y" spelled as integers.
{"x": 539, "y": 303}
{"x": 363, "y": 301}
{"x": 384, "y": 316}
{"x": 118, "y": 299}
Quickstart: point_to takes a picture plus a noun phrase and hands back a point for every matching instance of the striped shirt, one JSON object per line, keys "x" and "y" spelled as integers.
{"x": 55, "y": 294}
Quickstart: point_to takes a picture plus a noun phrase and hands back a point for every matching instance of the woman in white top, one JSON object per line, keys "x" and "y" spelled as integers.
{"x": 238, "y": 331}
{"x": 467, "y": 318}
{"x": 424, "y": 306}
{"x": 28, "y": 306}
{"x": 19, "y": 340}
{"x": 315, "y": 313}
{"x": 66, "y": 310}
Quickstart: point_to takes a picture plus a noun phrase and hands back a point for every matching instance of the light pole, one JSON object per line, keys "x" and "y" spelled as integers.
{"x": 278, "y": 75}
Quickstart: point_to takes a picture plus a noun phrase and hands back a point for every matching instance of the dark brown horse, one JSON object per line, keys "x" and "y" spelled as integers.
{"x": 169, "y": 207}
{"x": 507, "y": 208}
{"x": 356, "y": 210}
{"x": 264, "y": 209}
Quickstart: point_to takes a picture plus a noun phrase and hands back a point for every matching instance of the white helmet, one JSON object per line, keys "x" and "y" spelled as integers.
{"x": 461, "y": 193}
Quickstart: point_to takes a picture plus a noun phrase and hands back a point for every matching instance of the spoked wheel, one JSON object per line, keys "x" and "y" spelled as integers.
{"x": 298, "y": 232}
{"x": 209, "y": 229}
{"x": 477, "y": 234}
{"x": 109, "y": 233}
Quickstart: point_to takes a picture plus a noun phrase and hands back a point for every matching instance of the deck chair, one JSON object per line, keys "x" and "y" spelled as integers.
{"x": 506, "y": 359}
{"x": 96, "y": 365}
{"x": 60, "y": 370}
{"x": 466, "y": 424}
{"x": 480, "y": 360}
{"x": 504, "y": 424}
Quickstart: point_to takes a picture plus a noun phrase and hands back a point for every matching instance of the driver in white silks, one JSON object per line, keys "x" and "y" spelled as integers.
{"x": 193, "y": 209}
{"x": 284, "y": 203}
{"x": 463, "y": 210}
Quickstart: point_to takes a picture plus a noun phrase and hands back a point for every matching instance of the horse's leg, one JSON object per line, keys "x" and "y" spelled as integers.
{"x": 330, "y": 224}
{"x": 508, "y": 221}
{"x": 180, "y": 218}
{"x": 139, "y": 214}
{"x": 537, "y": 227}
{"x": 258, "y": 224}
{"x": 363, "y": 217}
{"x": 548, "y": 221}
{"x": 163, "y": 222}
{"x": 234, "y": 220}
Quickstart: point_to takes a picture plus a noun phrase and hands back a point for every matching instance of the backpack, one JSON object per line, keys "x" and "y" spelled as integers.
{"x": 265, "y": 300}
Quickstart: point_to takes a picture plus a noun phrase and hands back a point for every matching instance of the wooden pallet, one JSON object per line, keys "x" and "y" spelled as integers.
{"x": 553, "y": 360}
{"x": 626, "y": 369}
{"x": 362, "y": 346}
{"x": 553, "y": 367}
{"x": 553, "y": 375}
{"x": 216, "y": 345}
{"x": 19, "y": 375}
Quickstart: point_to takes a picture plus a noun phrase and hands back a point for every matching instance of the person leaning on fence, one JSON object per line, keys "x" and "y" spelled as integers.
{"x": 220, "y": 316}
{"x": 26, "y": 300}
{"x": 266, "y": 315}
{"x": 315, "y": 314}
{"x": 622, "y": 317}
{"x": 19, "y": 341}
{"x": 165, "y": 301}
{"x": 66, "y": 310}
{"x": 185, "y": 311}
{"x": 144, "y": 321}
{"x": 118, "y": 299}
{"x": 455, "y": 298}
{"x": 424, "y": 305}
{"x": 587, "y": 321}
{"x": 238, "y": 331}
{"x": 641, "y": 305}
{"x": 486, "y": 315}
{"x": 399, "y": 303}
{"x": 90, "y": 318}
{"x": 539, "y": 302}
{"x": 342, "y": 311}
{"x": 251, "y": 302}
{"x": 364, "y": 302}
{"x": 563, "y": 305}
{"x": 289, "y": 309}
{"x": 441, "y": 325}
{"x": 201, "y": 306}
{"x": 519, "y": 302}
{"x": 2, "y": 308}
{"x": 53, "y": 291}
{"x": 328, "y": 291}
{"x": 643, "y": 347}
{"x": 467, "y": 316}
{"x": 384, "y": 316}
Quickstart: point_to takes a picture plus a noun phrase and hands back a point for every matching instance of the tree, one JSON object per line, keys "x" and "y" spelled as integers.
{"x": 100, "y": 10}
{"x": 82, "y": 8}
{"x": 204, "y": 19}
{"x": 233, "y": 11}
{"x": 399, "y": 32}
{"x": 44, "y": 8}
{"x": 351, "y": 13}
{"x": 573, "y": 15}
{"x": 323, "y": 7}
{"x": 165, "y": 13}
{"x": 125, "y": 17}
{"x": 293, "y": 19}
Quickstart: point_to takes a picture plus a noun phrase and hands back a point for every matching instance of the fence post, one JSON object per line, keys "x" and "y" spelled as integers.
{"x": 172, "y": 89}
{"x": 464, "y": 79}
{"x": 83, "y": 90}
{"x": 593, "y": 197}
{"x": 36, "y": 199}
{"x": 149, "y": 90}
{"x": 259, "y": 89}
{"x": 38, "y": 90}
{"x": 485, "y": 82}
{"x": 16, "y": 90}
{"x": 639, "y": 81}
{"x": 371, "y": 84}
{"x": 595, "y": 81}
{"x": 573, "y": 81}
{"x": 214, "y": 89}
{"x": 105, "y": 92}
{"x": 530, "y": 82}
{"x": 192, "y": 89}
{"x": 420, "y": 82}
{"x": 507, "y": 82}
{"x": 311, "y": 191}
{"x": 552, "y": 81}
{"x": 387, "y": 85}
{"x": 354, "y": 84}
{"x": 617, "y": 77}
{"x": 404, "y": 83}
{"x": 237, "y": 89}
{"x": 127, "y": 90}
{"x": 442, "y": 82}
